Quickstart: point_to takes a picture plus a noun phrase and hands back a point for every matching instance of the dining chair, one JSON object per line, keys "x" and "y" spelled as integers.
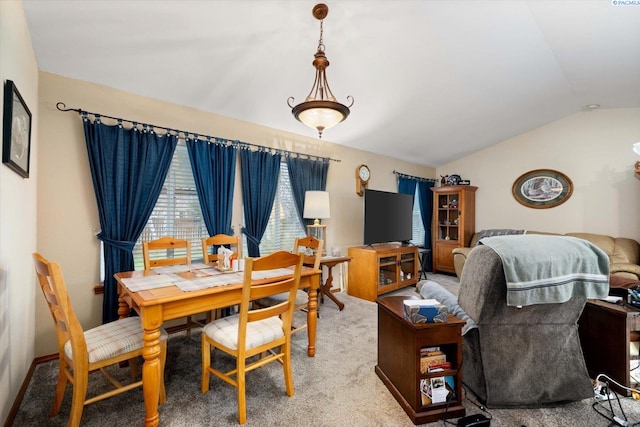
{"x": 169, "y": 251}
{"x": 210, "y": 257}
{"x": 305, "y": 245}
{"x": 209, "y": 254}
{"x": 255, "y": 332}
{"x": 82, "y": 352}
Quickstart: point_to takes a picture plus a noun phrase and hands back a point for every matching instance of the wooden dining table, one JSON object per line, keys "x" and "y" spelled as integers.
{"x": 161, "y": 303}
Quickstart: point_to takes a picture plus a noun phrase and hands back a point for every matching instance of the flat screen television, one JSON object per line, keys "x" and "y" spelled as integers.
{"x": 387, "y": 217}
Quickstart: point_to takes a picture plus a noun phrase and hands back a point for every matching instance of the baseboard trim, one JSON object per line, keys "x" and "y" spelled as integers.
{"x": 23, "y": 389}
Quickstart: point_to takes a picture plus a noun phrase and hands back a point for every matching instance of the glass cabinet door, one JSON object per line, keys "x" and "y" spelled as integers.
{"x": 448, "y": 216}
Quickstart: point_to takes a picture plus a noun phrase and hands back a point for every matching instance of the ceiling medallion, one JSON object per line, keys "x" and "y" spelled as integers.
{"x": 320, "y": 110}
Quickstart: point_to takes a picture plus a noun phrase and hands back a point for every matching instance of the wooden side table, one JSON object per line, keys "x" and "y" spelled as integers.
{"x": 424, "y": 255}
{"x": 325, "y": 289}
{"x": 605, "y": 332}
{"x": 399, "y": 345}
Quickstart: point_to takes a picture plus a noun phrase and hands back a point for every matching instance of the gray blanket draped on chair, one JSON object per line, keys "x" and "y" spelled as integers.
{"x": 542, "y": 269}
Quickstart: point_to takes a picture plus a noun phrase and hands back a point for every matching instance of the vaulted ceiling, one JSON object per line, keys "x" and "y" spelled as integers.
{"x": 433, "y": 81}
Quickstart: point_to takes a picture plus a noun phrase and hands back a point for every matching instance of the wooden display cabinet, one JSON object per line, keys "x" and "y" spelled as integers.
{"x": 377, "y": 269}
{"x": 454, "y": 222}
{"x": 399, "y": 352}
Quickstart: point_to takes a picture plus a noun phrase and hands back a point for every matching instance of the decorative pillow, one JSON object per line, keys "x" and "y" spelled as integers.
{"x": 497, "y": 232}
{"x": 430, "y": 289}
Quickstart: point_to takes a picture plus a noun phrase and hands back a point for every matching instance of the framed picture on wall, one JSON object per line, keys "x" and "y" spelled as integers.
{"x": 542, "y": 188}
{"x": 16, "y": 136}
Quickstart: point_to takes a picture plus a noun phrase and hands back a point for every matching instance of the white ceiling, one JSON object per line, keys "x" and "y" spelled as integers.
{"x": 433, "y": 81}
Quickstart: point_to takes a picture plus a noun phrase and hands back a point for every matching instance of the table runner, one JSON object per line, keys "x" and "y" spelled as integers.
{"x": 204, "y": 278}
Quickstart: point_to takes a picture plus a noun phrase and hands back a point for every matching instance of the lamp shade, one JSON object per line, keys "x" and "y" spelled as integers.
{"x": 321, "y": 117}
{"x": 636, "y": 148}
{"x": 316, "y": 205}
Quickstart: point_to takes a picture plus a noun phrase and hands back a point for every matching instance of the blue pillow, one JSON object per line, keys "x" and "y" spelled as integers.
{"x": 430, "y": 289}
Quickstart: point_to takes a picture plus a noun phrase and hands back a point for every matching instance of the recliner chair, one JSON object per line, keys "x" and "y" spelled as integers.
{"x": 518, "y": 357}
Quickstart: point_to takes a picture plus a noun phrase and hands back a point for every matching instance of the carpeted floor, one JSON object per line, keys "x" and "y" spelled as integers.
{"x": 338, "y": 387}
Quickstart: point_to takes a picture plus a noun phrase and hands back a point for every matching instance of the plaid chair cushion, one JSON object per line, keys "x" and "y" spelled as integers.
{"x": 225, "y": 331}
{"x": 301, "y": 299}
{"x": 112, "y": 339}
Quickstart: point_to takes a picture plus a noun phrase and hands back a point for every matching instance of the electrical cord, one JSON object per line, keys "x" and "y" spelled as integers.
{"x": 610, "y": 415}
{"x": 480, "y": 406}
{"x": 614, "y": 419}
{"x": 635, "y": 393}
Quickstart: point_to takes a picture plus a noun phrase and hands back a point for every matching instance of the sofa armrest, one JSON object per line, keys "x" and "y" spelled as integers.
{"x": 631, "y": 269}
{"x": 459, "y": 257}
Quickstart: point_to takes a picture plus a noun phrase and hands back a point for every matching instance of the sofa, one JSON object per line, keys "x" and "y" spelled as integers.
{"x": 624, "y": 253}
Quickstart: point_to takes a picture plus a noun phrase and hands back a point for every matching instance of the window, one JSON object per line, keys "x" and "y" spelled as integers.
{"x": 284, "y": 225}
{"x": 418, "y": 227}
{"x": 177, "y": 212}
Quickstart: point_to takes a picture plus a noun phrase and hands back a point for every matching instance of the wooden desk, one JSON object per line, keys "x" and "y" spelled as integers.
{"x": 325, "y": 289}
{"x": 158, "y": 305}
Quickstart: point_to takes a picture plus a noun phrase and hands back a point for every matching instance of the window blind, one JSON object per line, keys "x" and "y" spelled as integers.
{"x": 177, "y": 212}
{"x": 284, "y": 225}
{"x": 418, "y": 227}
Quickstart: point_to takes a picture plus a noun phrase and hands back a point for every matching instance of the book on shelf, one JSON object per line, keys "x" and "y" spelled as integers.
{"x": 430, "y": 351}
{"x": 443, "y": 388}
{"x": 425, "y": 311}
{"x": 439, "y": 391}
{"x": 450, "y": 384}
{"x": 444, "y": 366}
{"x": 428, "y": 361}
{"x": 425, "y": 392}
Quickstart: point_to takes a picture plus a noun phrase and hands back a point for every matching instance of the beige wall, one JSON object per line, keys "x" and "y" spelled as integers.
{"x": 593, "y": 148}
{"x": 17, "y": 215}
{"x": 67, "y": 218}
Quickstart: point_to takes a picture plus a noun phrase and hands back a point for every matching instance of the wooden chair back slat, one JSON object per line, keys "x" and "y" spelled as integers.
{"x": 265, "y": 313}
{"x": 302, "y": 243}
{"x": 210, "y": 255}
{"x": 68, "y": 327}
{"x": 165, "y": 244}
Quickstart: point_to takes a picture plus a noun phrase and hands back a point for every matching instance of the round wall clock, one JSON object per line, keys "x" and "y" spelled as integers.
{"x": 362, "y": 179}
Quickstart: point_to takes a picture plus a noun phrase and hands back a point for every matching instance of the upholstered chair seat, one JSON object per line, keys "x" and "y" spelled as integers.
{"x": 112, "y": 339}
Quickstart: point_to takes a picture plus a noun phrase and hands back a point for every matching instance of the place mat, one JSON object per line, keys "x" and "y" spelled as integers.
{"x": 209, "y": 281}
{"x": 180, "y": 268}
{"x": 213, "y": 277}
{"x": 137, "y": 284}
{"x": 205, "y": 278}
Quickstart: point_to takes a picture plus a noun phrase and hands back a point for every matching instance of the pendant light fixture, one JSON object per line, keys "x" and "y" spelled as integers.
{"x": 320, "y": 110}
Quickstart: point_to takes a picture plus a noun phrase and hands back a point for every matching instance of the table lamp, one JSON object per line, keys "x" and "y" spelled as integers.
{"x": 316, "y": 207}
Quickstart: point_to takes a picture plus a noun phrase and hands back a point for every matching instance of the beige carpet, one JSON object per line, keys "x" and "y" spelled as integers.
{"x": 338, "y": 387}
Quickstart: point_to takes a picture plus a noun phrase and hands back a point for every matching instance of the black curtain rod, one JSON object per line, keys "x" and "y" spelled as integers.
{"x": 417, "y": 178}
{"x": 62, "y": 107}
